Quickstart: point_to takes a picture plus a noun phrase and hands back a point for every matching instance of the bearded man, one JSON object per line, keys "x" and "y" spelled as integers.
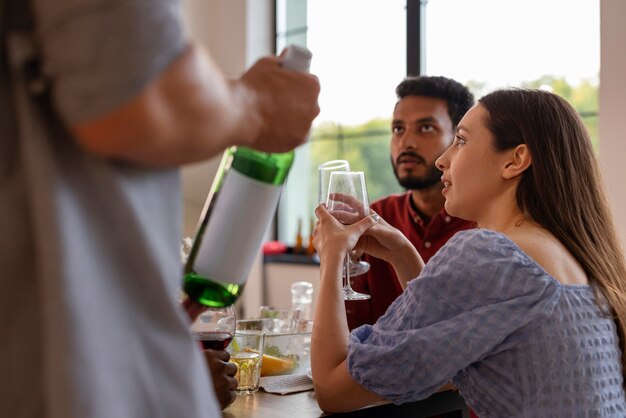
{"x": 423, "y": 127}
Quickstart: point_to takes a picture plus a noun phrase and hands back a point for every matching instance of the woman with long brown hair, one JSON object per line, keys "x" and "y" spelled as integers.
{"x": 526, "y": 314}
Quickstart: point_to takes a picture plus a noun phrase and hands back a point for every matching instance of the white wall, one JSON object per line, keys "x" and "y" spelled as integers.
{"x": 223, "y": 28}
{"x": 612, "y": 113}
{"x": 278, "y": 280}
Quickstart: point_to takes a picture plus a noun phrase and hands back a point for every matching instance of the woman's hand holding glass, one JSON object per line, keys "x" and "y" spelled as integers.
{"x": 385, "y": 242}
{"x": 357, "y": 267}
{"x": 378, "y": 239}
{"x": 332, "y": 238}
{"x": 348, "y": 202}
{"x": 346, "y": 209}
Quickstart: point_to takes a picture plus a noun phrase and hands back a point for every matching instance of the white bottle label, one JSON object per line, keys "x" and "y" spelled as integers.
{"x": 231, "y": 239}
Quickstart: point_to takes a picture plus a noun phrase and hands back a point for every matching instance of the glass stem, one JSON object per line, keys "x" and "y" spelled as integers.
{"x": 346, "y": 274}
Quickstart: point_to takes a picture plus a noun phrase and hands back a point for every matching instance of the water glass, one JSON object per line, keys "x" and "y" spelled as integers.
{"x": 246, "y": 352}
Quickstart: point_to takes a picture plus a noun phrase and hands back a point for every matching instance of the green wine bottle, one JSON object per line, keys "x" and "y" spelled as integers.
{"x": 237, "y": 212}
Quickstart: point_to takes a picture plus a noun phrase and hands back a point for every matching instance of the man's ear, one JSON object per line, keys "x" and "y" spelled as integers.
{"x": 519, "y": 160}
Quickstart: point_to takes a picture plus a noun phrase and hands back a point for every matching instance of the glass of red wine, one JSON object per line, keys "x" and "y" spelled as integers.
{"x": 215, "y": 328}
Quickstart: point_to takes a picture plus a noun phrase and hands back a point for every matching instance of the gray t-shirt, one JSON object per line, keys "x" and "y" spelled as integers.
{"x": 88, "y": 247}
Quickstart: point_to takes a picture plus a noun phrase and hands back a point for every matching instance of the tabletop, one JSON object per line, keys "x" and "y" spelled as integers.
{"x": 304, "y": 405}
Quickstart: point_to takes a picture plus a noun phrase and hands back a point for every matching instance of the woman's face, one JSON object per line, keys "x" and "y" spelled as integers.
{"x": 472, "y": 168}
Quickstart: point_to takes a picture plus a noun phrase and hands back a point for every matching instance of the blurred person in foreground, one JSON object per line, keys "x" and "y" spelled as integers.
{"x": 424, "y": 120}
{"x": 526, "y": 315}
{"x": 101, "y": 103}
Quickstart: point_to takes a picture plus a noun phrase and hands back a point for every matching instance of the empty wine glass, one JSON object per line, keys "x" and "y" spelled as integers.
{"x": 215, "y": 327}
{"x": 347, "y": 201}
{"x": 357, "y": 267}
{"x": 324, "y": 171}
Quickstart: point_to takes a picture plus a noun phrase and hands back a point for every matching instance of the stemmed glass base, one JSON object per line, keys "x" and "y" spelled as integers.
{"x": 359, "y": 267}
{"x": 347, "y": 201}
{"x": 356, "y": 267}
{"x": 348, "y": 292}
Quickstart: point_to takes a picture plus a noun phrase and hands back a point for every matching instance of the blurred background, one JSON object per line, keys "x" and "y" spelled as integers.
{"x": 363, "y": 48}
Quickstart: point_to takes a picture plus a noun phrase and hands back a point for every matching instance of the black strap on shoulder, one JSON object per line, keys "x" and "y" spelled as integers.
{"x": 17, "y": 18}
{"x": 14, "y": 19}
{"x": 16, "y": 15}
{"x": 4, "y": 29}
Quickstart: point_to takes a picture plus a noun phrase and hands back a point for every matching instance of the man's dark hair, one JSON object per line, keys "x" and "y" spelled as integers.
{"x": 458, "y": 97}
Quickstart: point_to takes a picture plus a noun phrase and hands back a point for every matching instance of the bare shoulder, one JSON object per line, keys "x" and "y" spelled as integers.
{"x": 549, "y": 253}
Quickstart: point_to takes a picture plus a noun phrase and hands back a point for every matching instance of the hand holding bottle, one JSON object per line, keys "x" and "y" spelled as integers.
{"x": 240, "y": 207}
{"x": 285, "y": 104}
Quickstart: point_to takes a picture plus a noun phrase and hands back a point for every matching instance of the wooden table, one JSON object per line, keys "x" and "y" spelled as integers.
{"x": 304, "y": 405}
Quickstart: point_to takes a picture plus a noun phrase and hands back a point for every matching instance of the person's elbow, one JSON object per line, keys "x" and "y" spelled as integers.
{"x": 327, "y": 399}
{"x": 130, "y": 132}
{"x": 342, "y": 395}
{"x": 183, "y": 115}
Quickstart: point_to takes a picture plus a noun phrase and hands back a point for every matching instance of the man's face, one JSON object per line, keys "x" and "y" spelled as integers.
{"x": 421, "y": 132}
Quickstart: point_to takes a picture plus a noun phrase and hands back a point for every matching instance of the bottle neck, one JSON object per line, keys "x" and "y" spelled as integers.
{"x": 262, "y": 166}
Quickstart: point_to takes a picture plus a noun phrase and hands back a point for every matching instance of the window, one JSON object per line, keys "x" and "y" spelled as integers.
{"x": 489, "y": 44}
{"x": 360, "y": 54}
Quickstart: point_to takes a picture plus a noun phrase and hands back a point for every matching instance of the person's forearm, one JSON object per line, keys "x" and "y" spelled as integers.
{"x": 330, "y": 322}
{"x": 189, "y": 113}
{"x": 408, "y": 265}
{"x": 335, "y": 389}
{"x": 330, "y": 327}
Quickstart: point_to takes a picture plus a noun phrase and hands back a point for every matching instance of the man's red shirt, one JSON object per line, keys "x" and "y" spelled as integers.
{"x": 380, "y": 281}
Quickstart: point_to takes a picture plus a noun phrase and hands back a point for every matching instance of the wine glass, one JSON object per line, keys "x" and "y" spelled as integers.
{"x": 347, "y": 201}
{"x": 215, "y": 327}
{"x": 324, "y": 171}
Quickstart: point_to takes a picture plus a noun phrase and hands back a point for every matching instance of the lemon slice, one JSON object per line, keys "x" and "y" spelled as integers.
{"x": 271, "y": 365}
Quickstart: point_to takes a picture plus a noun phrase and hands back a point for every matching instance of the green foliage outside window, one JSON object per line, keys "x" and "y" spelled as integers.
{"x": 584, "y": 98}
